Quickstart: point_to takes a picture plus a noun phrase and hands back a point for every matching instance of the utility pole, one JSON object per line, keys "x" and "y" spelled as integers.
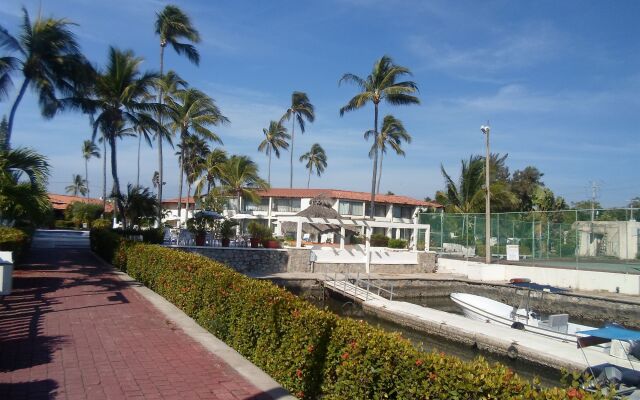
{"x": 595, "y": 188}
{"x": 487, "y": 212}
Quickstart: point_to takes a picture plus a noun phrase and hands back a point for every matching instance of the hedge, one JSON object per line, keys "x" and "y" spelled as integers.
{"x": 14, "y": 240}
{"x": 311, "y": 352}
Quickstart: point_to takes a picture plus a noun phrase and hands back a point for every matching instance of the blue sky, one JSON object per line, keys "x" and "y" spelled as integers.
{"x": 559, "y": 81}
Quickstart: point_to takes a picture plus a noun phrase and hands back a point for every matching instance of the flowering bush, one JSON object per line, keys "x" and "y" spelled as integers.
{"x": 311, "y": 352}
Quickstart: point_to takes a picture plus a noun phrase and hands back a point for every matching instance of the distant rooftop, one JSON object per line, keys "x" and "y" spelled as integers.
{"x": 61, "y": 201}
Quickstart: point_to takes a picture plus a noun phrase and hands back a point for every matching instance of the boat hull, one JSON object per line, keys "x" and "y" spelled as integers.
{"x": 487, "y": 310}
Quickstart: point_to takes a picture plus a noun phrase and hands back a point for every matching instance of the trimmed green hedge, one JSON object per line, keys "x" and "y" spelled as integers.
{"x": 14, "y": 240}
{"x": 311, "y": 352}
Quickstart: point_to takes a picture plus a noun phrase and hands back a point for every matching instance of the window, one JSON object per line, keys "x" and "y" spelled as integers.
{"x": 405, "y": 212}
{"x": 351, "y": 208}
{"x": 250, "y": 206}
{"x": 381, "y": 210}
{"x": 285, "y": 205}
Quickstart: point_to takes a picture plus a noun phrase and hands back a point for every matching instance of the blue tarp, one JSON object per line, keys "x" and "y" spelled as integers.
{"x": 613, "y": 332}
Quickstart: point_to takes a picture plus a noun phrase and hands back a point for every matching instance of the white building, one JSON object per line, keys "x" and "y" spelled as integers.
{"x": 277, "y": 202}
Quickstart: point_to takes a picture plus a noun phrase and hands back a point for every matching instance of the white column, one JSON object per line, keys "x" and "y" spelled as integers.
{"x": 269, "y": 211}
{"x": 415, "y": 239}
{"x": 367, "y": 249}
{"x": 342, "y": 234}
{"x": 299, "y": 233}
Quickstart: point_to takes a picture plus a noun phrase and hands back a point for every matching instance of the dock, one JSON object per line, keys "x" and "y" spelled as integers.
{"x": 491, "y": 337}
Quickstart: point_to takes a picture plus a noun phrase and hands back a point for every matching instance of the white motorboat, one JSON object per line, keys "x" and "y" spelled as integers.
{"x": 487, "y": 310}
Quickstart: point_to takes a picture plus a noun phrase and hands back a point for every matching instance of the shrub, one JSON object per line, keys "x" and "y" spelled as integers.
{"x": 311, "y": 352}
{"x": 379, "y": 240}
{"x": 101, "y": 224}
{"x": 398, "y": 244}
{"x": 13, "y": 240}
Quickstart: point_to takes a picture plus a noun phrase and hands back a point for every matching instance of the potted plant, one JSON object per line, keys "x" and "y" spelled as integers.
{"x": 258, "y": 232}
{"x": 227, "y": 231}
{"x": 199, "y": 225}
{"x": 268, "y": 242}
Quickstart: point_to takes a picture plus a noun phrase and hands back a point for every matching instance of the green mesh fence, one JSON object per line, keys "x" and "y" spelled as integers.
{"x": 590, "y": 239}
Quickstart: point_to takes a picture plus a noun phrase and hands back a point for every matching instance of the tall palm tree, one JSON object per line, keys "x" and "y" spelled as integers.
{"x": 392, "y": 134}
{"x": 380, "y": 85}
{"x": 239, "y": 177}
{"x": 301, "y": 109}
{"x": 275, "y": 138}
{"x": 192, "y": 112}
{"x": 173, "y": 25}
{"x": 89, "y": 150}
{"x": 49, "y": 59}
{"x": 20, "y": 198}
{"x": 315, "y": 158}
{"x": 468, "y": 195}
{"x": 78, "y": 185}
{"x": 211, "y": 169}
{"x": 121, "y": 101}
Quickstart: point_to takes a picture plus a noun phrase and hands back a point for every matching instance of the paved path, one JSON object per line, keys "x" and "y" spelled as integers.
{"x": 72, "y": 329}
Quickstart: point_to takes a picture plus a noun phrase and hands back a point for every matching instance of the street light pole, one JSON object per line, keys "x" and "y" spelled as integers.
{"x": 487, "y": 213}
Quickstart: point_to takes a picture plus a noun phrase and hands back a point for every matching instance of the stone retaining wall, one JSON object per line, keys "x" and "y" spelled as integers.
{"x": 269, "y": 261}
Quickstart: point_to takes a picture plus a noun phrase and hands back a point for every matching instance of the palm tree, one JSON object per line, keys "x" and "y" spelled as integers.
{"x": 316, "y": 158}
{"x": 380, "y": 85}
{"x": 275, "y": 138}
{"x": 469, "y": 194}
{"x": 211, "y": 169}
{"x": 392, "y": 134}
{"x": 8, "y": 64}
{"x": 49, "y": 59}
{"x": 191, "y": 113}
{"x": 195, "y": 151}
{"x": 173, "y": 25}
{"x": 301, "y": 109}
{"x": 138, "y": 202}
{"x": 239, "y": 177}
{"x": 121, "y": 101}
{"x": 23, "y": 199}
{"x": 89, "y": 149}
{"x": 78, "y": 185}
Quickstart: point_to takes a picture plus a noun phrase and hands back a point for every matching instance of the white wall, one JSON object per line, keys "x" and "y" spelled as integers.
{"x": 356, "y": 254}
{"x": 564, "y": 278}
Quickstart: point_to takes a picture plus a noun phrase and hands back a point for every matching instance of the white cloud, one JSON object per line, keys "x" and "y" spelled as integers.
{"x": 531, "y": 45}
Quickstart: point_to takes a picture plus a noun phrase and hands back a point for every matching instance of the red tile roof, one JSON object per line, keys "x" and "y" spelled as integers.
{"x": 61, "y": 201}
{"x": 346, "y": 195}
{"x": 192, "y": 200}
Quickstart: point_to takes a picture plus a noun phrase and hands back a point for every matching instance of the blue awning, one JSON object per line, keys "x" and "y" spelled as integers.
{"x": 613, "y": 332}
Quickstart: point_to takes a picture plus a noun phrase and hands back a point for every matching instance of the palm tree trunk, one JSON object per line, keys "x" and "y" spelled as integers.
{"x": 14, "y": 108}
{"x": 86, "y": 175}
{"x": 104, "y": 174}
{"x": 187, "y": 202}
{"x": 159, "y": 134}
{"x": 269, "y": 174}
{"x": 180, "y": 183}
{"x": 375, "y": 164}
{"x": 139, "y": 144}
{"x": 380, "y": 173}
{"x": 293, "y": 128}
{"x": 309, "y": 178}
{"x": 116, "y": 181}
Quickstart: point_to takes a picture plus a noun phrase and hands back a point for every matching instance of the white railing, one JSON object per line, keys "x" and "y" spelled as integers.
{"x": 353, "y": 285}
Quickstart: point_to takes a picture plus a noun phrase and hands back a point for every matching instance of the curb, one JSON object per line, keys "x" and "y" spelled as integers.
{"x": 235, "y": 360}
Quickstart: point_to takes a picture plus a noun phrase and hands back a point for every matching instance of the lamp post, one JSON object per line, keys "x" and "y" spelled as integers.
{"x": 485, "y": 129}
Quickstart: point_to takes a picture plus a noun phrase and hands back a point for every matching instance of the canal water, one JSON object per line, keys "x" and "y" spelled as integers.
{"x": 548, "y": 377}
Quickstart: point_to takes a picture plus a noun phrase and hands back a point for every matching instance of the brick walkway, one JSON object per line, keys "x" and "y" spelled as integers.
{"x": 72, "y": 330}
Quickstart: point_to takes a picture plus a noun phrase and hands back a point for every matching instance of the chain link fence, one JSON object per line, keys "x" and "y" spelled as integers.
{"x": 601, "y": 239}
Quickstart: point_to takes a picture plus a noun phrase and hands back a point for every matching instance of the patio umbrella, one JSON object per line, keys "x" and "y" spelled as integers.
{"x": 207, "y": 213}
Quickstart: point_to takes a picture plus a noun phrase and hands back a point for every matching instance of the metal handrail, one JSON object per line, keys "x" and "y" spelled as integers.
{"x": 359, "y": 283}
